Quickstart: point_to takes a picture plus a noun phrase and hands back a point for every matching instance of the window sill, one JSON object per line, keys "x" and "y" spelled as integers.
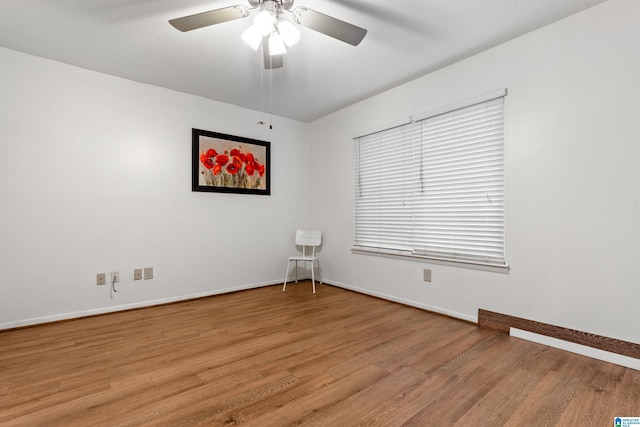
{"x": 503, "y": 269}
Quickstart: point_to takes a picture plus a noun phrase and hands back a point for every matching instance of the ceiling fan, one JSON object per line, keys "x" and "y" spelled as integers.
{"x": 270, "y": 30}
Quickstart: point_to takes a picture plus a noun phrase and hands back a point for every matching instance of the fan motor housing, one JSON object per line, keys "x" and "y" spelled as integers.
{"x": 282, "y": 4}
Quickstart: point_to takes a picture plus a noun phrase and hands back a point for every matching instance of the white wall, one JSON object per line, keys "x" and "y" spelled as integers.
{"x": 573, "y": 186}
{"x": 95, "y": 176}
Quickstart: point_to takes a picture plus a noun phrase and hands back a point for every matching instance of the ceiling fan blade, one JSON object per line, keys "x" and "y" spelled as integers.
{"x": 330, "y": 26}
{"x": 212, "y": 17}
{"x": 270, "y": 61}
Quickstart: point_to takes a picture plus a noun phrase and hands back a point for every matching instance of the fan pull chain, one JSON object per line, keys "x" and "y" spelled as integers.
{"x": 270, "y": 96}
{"x": 261, "y": 121}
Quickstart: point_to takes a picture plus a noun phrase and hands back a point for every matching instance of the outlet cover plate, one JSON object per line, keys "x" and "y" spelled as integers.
{"x": 115, "y": 275}
{"x": 148, "y": 273}
{"x": 426, "y": 275}
{"x": 137, "y": 274}
{"x": 101, "y": 279}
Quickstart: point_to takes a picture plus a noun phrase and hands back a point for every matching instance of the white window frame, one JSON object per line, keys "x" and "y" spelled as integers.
{"x": 397, "y": 182}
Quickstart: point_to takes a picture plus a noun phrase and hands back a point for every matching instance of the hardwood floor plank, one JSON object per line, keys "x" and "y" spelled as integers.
{"x": 160, "y": 411}
{"x": 202, "y": 411}
{"x": 265, "y": 407}
{"x": 441, "y": 334}
{"x": 458, "y": 397}
{"x": 592, "y": 403}
{"x": 297, "y": 411}
{"x": 364, "y": 402}
{"x": 300, "y": 352}
{"x": 497, "y": 406}
{"x": 627, "y": 395}
{"x": 384, "y": 344}
{"x": 22, "y": 393}
{"x": 546, "y": 403}
{"x": 448, "y": 349}
{"x": 114, "y": 406}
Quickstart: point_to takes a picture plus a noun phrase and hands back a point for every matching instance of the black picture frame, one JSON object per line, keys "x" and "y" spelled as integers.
{"x": 224, "y": 163}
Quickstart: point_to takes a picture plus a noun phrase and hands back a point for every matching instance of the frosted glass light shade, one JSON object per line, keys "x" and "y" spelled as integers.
{"x": 252, "y": 36}
{"x": 289, "y": 33}
{"x": 276, "y": 44}
{"x": 264, "y": 22}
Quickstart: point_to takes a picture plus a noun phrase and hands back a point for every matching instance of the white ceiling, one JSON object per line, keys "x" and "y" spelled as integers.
{"x": 405, "y": 39}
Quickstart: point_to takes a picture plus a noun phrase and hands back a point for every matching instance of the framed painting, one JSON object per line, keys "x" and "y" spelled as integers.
{"x": 230, "y": 164}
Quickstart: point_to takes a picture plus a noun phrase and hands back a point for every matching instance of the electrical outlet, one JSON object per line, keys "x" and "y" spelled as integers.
{"x": 101, "y": 279}
{"x": 137, "y": 274}
{"x": 148, "y": 273}
{"x": 115, "y": 276}
{"x": 426, "y": 275}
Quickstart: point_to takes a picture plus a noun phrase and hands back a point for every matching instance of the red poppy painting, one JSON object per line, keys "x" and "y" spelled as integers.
{"x": 230, "y": 164}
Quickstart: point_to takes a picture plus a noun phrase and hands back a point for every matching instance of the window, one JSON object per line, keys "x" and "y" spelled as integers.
{"x": 433, "y": 187}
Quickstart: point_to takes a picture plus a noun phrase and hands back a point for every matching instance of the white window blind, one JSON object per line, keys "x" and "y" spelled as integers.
{"x": 385, "y": 175}
{"x": 434, "y": 188}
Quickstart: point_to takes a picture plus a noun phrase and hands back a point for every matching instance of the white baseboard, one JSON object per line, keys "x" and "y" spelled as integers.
{"x": 440, "y": 310}
{"x": 583, "y": 350}
{"x": 141, "y": 304}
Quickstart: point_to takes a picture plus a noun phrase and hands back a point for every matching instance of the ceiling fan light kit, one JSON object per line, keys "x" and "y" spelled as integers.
{"x": 279, "y": 33}
{"x": 270, "y": 30}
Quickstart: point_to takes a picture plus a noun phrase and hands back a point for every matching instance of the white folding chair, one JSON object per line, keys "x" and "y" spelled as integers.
{"x": 309, "y": 240}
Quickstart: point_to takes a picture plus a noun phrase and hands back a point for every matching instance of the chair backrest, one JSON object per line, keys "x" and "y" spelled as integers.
{"x": 311, "y": 238}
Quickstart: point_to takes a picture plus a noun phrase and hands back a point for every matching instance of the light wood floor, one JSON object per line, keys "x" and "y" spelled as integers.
{"x": 267, "y": 358}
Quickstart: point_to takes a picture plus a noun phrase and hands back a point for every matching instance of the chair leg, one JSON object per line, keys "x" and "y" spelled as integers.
{"x": 313, "y": 279}
{"x": 296, "y": 271}
{"x": 285, "y": 277}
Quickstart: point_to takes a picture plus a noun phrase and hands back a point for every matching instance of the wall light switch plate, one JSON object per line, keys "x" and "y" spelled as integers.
{"x": 101, "y": 279}
{"x": 426, "y": 275}
{"x": 148, "y": 273}
{"x": 137, "y": 274}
